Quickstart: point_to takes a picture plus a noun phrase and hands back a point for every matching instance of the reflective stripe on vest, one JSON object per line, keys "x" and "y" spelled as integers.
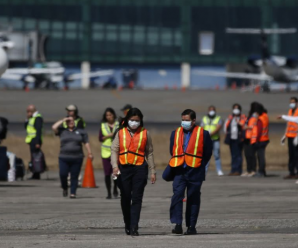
{"x": 76, "y": 121}
{"x": 292, "y": 127}
{"x": 132, "y": 149}
{"x": 210, "y": 125}
{"x": 265, "y": 130}
{"x": 31, "y": 131}
{"x": 252, "y": 122}
{"x": 194, "y": 151}
{"x": 107, "y": 143}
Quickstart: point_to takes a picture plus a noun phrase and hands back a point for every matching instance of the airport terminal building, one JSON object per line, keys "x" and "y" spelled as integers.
{"x": 152, "y": 32}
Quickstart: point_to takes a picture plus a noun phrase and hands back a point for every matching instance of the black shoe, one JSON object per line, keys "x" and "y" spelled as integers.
{"x": 191, "y": 231}
{"x": 65, "y": 193}
{"x": 109, "y": 197}
{"x": 134, "y": 232}
{"x": 72, "y": 196}
{"x": 178, "y": 229}
{"x": 127, "y": 231}
{"x": 115, "y": 194}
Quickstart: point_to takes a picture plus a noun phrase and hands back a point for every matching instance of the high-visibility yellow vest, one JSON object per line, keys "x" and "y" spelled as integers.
{"x": 76, "y": 121}
{"x": 210, "y": 125}
{"x": 107, "y": 143}
{"x": 31, "y": 131}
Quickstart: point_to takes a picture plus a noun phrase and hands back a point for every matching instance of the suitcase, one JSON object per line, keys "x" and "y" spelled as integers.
{"x": 20, "y": 169}
{"x": 38, "y": 162}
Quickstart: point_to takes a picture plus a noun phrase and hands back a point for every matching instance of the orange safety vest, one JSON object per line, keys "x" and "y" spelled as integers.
{"x": 230, "y": 118}
{"x": 132, "y": 148}
{"x": 252, "y": 122}
{"x": 265, "y": 129}
{"x": 292, "y": 127}
{"x": 194, "y": 151}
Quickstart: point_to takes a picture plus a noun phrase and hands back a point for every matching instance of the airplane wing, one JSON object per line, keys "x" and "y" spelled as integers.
{"x": 91, "y": 74}
{"x": 58, "y": 70}
{"x": 241, "y": 75}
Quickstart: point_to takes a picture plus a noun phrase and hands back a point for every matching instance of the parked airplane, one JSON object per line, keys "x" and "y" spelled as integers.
{"x": 42, "y": 75}
{"x": 272, "y": 68}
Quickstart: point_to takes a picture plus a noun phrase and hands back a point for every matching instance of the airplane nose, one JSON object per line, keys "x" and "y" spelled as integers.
{"x": 3, "y": 61}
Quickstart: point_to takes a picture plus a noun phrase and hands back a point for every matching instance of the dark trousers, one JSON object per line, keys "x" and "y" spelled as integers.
{"x": 293, "y": 157}
{"x": 261, "y": 157}
{"x": 183, "y": 182}
{"x": 133, "y": 182}
{"x": 33, "y": 149}
{"x": 250, "y": 155}
{"x": 236, "y": 154}
{"x": 72, "y": 166}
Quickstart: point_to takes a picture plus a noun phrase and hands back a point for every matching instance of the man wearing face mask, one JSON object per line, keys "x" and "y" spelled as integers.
{"x": 213, "y": 123}
{"x": 191, "y": 149}
{"x": 291, "y": 133}
{"x": 234, "y": 138}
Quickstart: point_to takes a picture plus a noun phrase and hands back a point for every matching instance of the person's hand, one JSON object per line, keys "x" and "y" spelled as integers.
{"x": 37, "y": 146}
{"x": 278, "y": 117}
{"x": 153, "y": 178}
{"x": 115, "y": 171}
{"x": 90, "y": 156}
{"x": 67, "y": 119}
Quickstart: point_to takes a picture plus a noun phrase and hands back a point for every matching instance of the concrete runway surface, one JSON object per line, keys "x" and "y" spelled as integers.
{"x": 161, "y": 109}
{"x": 235, "y": 212}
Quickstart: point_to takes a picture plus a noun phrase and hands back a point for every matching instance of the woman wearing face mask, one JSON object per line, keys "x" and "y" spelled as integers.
{"x": 234, "y": 138}
{"x": 132, "y": 147}
{"x": 108, "y": 127}
{"x": 71, "y": 153}
{"x": 249, "y": 151}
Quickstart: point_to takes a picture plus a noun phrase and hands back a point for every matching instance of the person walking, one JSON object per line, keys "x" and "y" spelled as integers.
{"x": 34, "y": 128}
{"x": 73, "y": 111}
{"x": 71, "y": 153}
{"x": 213, "y": 124}
{"x": 290, "y": 135}
{"x": 108, "y": 127}
{"x": 133, "y": 148}
{"x": 234, "y": 138}
{"x": 191, "y": 150}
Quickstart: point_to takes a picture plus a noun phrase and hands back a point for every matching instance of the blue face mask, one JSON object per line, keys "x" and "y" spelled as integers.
{"x": 186, "y": 125}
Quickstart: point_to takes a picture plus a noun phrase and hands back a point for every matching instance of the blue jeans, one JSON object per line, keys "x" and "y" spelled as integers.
{"x": 216, "y": 154}
{"x": 72, "y": 166}
{"x": 236, "y": 154}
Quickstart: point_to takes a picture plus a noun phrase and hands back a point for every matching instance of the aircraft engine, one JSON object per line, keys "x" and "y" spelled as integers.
{"x": 3, "y": 61}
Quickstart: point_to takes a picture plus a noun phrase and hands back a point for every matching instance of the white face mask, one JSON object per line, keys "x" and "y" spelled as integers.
{"x": 133, "y": 124}
{"x": 211, "y": 113}
{"x": 292, "y": 105}
{"x": 186, "y": 125}
{"x": 255, "y": 115}
{"x": 236, "y": 111}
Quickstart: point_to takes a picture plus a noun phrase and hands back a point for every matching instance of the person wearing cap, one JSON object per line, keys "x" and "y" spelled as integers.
{"x": 73, "y": 111}
{"x": 71, "y": 153}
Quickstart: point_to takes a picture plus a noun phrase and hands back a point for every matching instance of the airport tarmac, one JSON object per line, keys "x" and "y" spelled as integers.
{"x": 157, "y": 105}
{"x": 161, "y": 108}
{"x": 235, "y": 212}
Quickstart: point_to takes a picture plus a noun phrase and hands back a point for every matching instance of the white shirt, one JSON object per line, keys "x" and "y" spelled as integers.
{"x": 290, "y": 118}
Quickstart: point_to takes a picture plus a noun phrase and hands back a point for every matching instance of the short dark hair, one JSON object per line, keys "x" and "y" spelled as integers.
{"x": 190, "y": 112}
{"x": 294, "y": 98}
{"x": 212, "y": 106}
{"x": 238, "y": 105}
{"x": 112, "y": 111}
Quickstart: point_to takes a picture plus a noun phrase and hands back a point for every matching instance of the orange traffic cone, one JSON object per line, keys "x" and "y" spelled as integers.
{"x": 89, "y": 180}
{"x": 257, "y": 89}
{"x": 234, "y": 86}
